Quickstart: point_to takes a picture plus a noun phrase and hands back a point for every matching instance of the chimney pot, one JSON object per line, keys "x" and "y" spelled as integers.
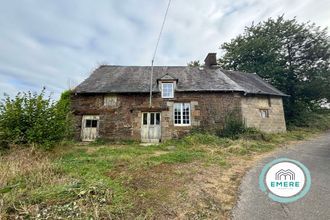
{"x": 211, "y": 59}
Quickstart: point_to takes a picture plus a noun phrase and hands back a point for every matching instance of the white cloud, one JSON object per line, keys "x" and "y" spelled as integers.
{"x": 58, "y": 43}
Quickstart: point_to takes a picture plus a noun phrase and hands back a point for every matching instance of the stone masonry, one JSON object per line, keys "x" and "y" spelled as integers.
{"x": 122, "y": 120}
{"x": 251, "y": 107}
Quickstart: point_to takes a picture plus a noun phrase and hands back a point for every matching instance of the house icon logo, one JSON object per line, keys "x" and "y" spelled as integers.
{"x": 285, "y": 180}
{"x": 284, "y": 174}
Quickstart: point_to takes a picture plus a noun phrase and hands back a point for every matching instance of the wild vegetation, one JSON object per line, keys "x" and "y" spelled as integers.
{"x": 32, "y": 119}
{"x": 194, "y": 177}
{"x": 292, "y": 56}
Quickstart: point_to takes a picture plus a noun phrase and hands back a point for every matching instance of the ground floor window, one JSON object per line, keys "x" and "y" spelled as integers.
{"x": 91, "y": 123}
{"x": 182, "y": 114}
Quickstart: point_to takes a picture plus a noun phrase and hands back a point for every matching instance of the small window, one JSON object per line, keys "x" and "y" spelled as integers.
{"x": 145, "y": 118}
{"x": 264, "y": 113}
{"x": 167, "y": 90}
{"x": 182, "y": 113}
{"x": 91, "y": 123}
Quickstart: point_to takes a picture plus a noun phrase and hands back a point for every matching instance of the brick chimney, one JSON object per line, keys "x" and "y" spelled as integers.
{"x": 211, "y": 59}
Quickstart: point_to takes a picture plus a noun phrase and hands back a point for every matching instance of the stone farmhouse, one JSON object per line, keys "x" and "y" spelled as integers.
{"x": 113, "y": 102}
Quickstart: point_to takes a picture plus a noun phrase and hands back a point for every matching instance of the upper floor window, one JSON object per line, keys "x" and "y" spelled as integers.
{"x": 167, "y": 90}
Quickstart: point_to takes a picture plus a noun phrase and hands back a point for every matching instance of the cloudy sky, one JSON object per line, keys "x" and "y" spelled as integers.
{"x": 58, "y": 43}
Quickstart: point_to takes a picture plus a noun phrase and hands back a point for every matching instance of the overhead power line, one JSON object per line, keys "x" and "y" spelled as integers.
{"x": 155, "y": 52}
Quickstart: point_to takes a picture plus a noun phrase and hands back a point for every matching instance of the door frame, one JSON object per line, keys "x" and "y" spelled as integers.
{"x": 83, "y": 126}
{"x": 148, "y": 140}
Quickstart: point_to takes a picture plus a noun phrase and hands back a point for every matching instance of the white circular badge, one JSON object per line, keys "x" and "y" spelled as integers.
{"x": 285, "y": 179}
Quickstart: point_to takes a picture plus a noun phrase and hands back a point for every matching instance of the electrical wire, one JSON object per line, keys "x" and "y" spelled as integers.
{"x": 155, "y": 51}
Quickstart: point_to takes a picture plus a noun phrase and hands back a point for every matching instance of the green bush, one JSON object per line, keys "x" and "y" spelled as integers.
{"x": 318, "y": 120}
{"x": 32, "y": 119}
{"x": 233, "y": 126}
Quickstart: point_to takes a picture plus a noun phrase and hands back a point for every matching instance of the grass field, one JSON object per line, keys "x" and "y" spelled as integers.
{"x": 196, "y": 177}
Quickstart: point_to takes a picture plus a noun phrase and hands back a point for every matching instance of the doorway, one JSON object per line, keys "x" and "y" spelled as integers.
{"x": 90, "y": 127}
{"x": 150, "y": 127}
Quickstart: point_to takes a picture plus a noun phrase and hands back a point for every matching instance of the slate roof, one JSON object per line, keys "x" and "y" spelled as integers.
{"x": 135, "y": 79}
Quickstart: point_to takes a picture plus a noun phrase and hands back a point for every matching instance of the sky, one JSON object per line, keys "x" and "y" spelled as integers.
{"x": 57, "y": 44}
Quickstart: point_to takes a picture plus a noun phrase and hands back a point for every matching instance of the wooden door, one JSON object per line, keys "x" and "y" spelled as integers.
{"x": 90, "y": 127}
{"x": 150, "y": 127}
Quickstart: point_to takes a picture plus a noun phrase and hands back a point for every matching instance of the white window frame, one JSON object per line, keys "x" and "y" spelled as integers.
{"x": 181, "y": 114}
{"x": 172, "y": 94}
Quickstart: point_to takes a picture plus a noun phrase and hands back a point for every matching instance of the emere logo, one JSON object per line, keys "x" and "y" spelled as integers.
{"x": 285, "y": 180}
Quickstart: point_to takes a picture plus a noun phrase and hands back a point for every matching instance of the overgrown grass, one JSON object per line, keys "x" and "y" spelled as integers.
{"x": 121, "y": 180}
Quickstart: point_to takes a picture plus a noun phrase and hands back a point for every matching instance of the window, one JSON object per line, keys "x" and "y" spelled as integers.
{"x": 153, "y": 120}
{"x": 145, "y": 118}
{"x": 182, "y": 114}
{"x": 157, "y": 118}
{"x": 264, "y": 113}
{"x": 167, "y": 90}
{"x": 91, "y": 123}
{"x": 110, "y": 100}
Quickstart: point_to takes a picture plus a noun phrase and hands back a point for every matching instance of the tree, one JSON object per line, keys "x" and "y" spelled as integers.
{"x": 293, "y": 56}
{"x": 33, "y": 119}
{"x": 194, "y": 63}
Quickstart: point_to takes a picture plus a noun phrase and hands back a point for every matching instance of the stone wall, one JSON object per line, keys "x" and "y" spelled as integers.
{"x": 122, "y": 120}
{"x": 251, "y": 107}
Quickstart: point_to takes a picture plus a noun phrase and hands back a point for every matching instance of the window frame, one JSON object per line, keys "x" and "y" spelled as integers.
{"x": 152, "y": 118}
{"x": 91, "y": 123}
{"x": 181, "y": 114}
{"x": 266, "y": 113}
{"x": 172, "y": 93}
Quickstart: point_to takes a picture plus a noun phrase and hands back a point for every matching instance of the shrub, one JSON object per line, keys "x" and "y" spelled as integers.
{"x": 32, "y": 119}
{"x": 255, "y": 134}
{"x": 233, "y": 126}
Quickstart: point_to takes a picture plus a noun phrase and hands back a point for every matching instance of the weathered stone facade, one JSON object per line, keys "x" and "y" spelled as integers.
{"x": 123, "y": 119}
{"x": 251, "y": 112}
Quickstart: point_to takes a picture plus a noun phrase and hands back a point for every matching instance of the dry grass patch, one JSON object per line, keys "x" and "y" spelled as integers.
{"x": 28, "y": 166}
{"x": 196, "y": 177}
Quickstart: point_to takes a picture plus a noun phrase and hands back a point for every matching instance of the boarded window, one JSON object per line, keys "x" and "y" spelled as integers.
{"x": 182, "y": 113}
{"x": 110, "y": 101}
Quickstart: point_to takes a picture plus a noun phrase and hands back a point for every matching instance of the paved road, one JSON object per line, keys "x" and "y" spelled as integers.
{"x": 315, "y": 155}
